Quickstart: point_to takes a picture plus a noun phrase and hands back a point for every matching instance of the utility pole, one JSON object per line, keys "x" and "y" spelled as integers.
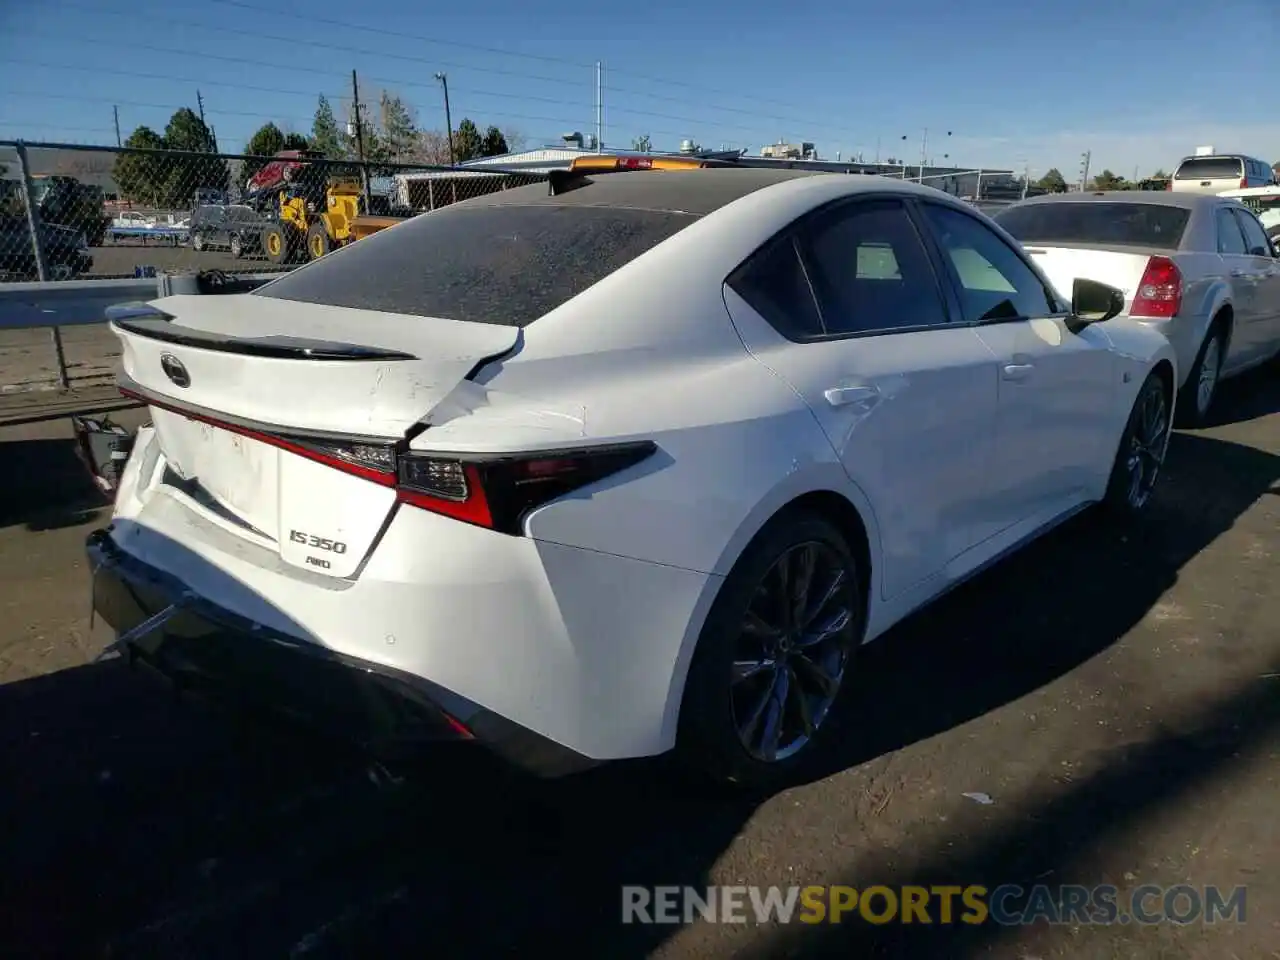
{"x": 115, "y": 112}
{"x": 200, "y": 104}
{"x": 877, "y": 151}
{"x": 599, "y": 107}
{"x": 355, "y": 109}
{"x": 1026, "y": 178}
{"x": 448, "y": 118}
{"x": 1084, "y": 168}
{"x": 924, "y": 147}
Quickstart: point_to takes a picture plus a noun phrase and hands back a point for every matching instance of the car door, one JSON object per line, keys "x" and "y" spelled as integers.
{"x": 847, "y": 306}
{"x": 1243, "y": 273}
{"x": 1056, "y": 432}
{"x": 1266, "y": 272}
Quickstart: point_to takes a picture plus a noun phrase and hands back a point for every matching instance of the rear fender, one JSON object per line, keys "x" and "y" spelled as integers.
{"x": 815, "y": 478}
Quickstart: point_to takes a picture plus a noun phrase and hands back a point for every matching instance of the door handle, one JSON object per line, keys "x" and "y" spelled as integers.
{"x": 844, "y": 396}
{"x": 1018, "y": 371}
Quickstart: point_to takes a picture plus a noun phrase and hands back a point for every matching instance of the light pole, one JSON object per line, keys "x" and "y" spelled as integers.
{"x": 924, "y": 153}
{"x": 448, "y": 118}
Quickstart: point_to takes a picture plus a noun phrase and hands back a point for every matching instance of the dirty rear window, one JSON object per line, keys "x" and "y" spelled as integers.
{"x": 1211, "y": 168}
{"x": 502, "y": 263}
{"x": 1097, "y": 224}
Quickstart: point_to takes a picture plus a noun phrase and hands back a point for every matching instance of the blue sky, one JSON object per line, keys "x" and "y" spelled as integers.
{"x": 1016, "y": 82}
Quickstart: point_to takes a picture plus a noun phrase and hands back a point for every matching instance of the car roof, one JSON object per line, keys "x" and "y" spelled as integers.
{"x": 1186, "y": 201}
{"x": 692, "y": 192}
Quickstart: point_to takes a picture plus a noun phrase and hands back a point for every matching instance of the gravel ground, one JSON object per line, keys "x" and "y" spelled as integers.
{"x": 1117, "y": 697}
{"x": 120, "y": 259}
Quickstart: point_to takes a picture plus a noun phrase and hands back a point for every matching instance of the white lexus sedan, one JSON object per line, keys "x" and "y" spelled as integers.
{"x": 611, "y": 465}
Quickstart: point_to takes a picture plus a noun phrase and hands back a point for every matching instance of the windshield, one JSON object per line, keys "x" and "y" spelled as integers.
{"x": 1211, "y": 168}
{"x": 1097, "y": 223}
{"x": 502, "y": 263}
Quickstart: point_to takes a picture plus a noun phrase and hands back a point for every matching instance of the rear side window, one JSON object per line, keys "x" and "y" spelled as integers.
{"x": 776, "y": 286}
{"x": 871, "y": 271}
{"x": 505, "y": 264}
{"x": 1230, "y": 239}
{"x": 1106, "y": 224}
{"x": 1210, "y": 168}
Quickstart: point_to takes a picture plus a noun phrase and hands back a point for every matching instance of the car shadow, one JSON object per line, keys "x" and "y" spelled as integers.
{"x": 1062, "y": 601}
{"x": 1250, "y": 396}
{"x": 46, "y": 485}
{"x": 141, "y": 825}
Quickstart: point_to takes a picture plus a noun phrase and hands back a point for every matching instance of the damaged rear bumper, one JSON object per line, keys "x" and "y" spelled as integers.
{"x": 199, "y": 645}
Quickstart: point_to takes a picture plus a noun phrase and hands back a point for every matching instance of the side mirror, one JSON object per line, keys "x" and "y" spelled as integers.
{"x": 1094, "y": 302}
{"x": 1261, "y": 252}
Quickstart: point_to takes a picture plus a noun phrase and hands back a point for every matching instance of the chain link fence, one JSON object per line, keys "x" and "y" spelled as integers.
{"x": 77, "y": 212}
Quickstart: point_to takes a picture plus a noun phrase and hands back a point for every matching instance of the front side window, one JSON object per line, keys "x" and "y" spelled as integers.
{"x": 1255, "y": 237}
{"x": 995, "y": 283}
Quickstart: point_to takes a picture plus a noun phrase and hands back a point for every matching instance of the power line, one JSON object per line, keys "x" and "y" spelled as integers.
{"x": 459, "y": 66}
{"x": 401, "y": 35}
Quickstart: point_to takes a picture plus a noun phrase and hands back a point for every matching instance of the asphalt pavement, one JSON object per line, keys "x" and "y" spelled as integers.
{"x": 1110, "y": 698}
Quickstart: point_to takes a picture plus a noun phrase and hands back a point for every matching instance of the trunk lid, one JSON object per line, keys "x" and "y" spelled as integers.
{"x": 227, "y": 369}
{"x": 1122, "y": 269}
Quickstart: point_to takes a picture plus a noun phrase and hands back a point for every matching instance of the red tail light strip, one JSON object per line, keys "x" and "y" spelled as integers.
{"x": 383, "y": 478}
{"x": 491, "y": 491}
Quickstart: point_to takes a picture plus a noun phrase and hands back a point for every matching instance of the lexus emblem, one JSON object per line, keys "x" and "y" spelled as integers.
{"x": 174, "y": 370}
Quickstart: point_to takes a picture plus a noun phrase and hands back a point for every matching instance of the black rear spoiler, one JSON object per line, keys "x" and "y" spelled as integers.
{"x": 143, "y": 320}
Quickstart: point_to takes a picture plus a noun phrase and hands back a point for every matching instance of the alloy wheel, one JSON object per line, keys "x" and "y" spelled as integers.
{"x": 1208, "y": 382}
{"x": 1149, "y": 441}
{"x": 796, "y": 639}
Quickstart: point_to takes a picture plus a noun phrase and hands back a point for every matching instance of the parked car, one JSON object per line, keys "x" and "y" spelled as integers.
{"x": 236, "y": 228}
{"x": 1265, "y": 202}
{"x": 66, "y": 251}
{"x": 1198, "y": 267}
{"x": 1213, "y": 174}
{"x": 633, "y": 462}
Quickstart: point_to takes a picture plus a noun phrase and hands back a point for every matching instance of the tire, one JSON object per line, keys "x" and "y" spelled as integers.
{"x": 1196, "y": 398}
{"x": 275, "y": 243}
{"x": 237, "y": 246}
{"x": 318, "y": 243}
{"x": 1140, "y": 456}
{"x": 716, "y": 738}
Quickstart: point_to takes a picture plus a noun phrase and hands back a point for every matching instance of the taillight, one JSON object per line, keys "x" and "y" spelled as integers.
{"x": 1244, "y": 182}
{"x": 1159, "y": 291}
{"x": 1168, "y": 185}
{"x": 499, "y": 491}
{"x": 371, "y": 458}
{"x": 494, "y": 491}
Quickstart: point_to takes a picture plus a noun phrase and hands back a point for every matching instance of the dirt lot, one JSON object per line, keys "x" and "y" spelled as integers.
{"x": 120, "y": 259}
{"x": 1117, "y": 697}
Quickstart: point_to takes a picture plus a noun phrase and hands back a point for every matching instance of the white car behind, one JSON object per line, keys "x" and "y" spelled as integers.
{"x": 1199, "y": 268}
{"x": 631, "y": 463}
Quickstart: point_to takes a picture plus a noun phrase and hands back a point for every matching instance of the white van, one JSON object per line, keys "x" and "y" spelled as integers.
{"x": 1214, "y": 174}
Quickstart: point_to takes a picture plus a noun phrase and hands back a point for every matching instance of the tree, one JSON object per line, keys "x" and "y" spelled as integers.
{"x": 515, "y": 139}
{"x": 267, "y": 141}
{"x": 399, "y": 130}
{"x": 1054, "y": 181}
{"x": 186, "y": 132}
{"x": 494, "y": 144}
{"x": 1107, "y": 180}
{"x": 367, "y": 143}
{"x": 467, "y": 142}
{"x": 431, "y": 147}
{"x": 642, "y": 144}
{"x": 141, "y": 177}
{"x": 326, "y": 138}
{"x": 1160, "y": 175}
